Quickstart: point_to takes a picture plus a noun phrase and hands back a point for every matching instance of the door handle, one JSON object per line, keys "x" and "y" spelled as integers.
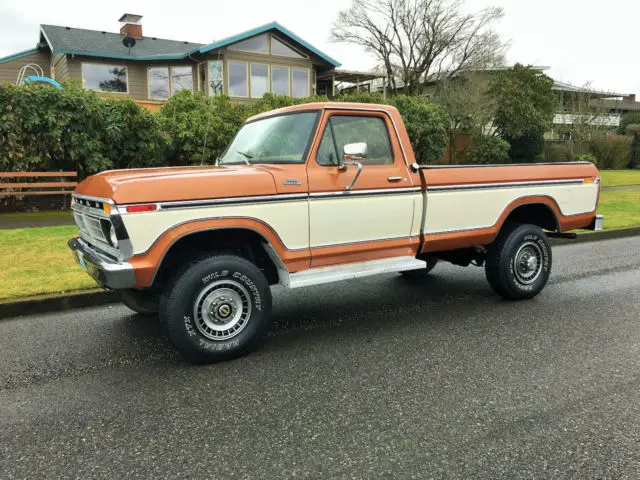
{"x": 394, "y": 179}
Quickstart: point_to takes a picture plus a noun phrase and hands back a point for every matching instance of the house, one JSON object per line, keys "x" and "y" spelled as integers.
{"x": 268, "y": 58}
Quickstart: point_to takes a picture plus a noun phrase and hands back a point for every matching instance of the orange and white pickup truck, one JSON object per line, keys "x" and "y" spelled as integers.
{"x": 307, "y": 195}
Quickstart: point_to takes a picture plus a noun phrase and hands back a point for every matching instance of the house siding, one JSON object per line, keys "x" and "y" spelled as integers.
{"x": 59, "y": 67}
{"x": 9, "y": 70}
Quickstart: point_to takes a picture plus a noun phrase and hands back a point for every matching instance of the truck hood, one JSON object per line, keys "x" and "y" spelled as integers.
{"x": 167, "y": 184}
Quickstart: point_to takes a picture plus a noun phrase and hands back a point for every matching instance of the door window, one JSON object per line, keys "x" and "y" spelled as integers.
{"x": 345, "y": 129}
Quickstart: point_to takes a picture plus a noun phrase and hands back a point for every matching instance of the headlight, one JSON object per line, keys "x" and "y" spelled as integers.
{"x": 113, "y": 239}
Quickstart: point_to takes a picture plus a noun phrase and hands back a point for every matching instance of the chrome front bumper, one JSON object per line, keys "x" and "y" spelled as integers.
{"x": 104, "y": 270}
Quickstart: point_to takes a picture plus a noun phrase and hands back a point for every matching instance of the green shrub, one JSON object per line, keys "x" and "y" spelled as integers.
{"x": 611, "y": 152}
{"x": 587, "y": 157}
{"x": 526, "y": 148}
{"x": 42, "y": 128}
{"x": 631, "y": 118}
{"x": 558, "y": 152}
{"x": 487, "y": 149}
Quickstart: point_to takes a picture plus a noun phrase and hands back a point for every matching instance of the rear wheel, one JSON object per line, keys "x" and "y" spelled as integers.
{"x": 217, "y": 308}
{"x": 518, "y": 263}
{"x": 431, "y": 263}
{"x": 140, "y": 301}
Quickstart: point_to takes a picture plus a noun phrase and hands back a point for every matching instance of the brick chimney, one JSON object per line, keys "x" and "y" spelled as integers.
{"x": 130, "y": 25}
{"x": 630, "y": 98}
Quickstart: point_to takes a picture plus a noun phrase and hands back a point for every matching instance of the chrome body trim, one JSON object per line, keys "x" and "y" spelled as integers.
{"x": 478, "y": 186}
{"x": 212, "y": 202}
{"x": 318, "y": 276}
{"x": 355, "y": 193}
{"x": 416, "y": 167}
{"x": 93, "y": 199}
{"x": 104, "y": 270}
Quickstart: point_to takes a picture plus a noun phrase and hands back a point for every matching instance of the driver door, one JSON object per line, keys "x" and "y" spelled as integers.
{"x": 373, "y": 219}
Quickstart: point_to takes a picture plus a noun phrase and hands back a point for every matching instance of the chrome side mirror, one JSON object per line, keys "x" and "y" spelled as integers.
{"x": 352, "y": 153}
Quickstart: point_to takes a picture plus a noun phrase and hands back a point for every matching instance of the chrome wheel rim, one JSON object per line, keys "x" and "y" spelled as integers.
{"x": 527, "y": 263}
{"x": 222, "y": 310}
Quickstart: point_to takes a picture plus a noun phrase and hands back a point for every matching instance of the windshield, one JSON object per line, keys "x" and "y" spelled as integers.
{"x": 280, "y": 139}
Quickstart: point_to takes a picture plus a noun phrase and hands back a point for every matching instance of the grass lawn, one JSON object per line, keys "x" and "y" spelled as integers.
{"x": 38, "y": 261}
{"x": 621, "y": 208}
{"x": 617, "y": 178}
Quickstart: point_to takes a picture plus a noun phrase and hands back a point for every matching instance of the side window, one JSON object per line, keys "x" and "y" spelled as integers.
{"x": 327, "y": 155}
{"x": 371, "y": 130}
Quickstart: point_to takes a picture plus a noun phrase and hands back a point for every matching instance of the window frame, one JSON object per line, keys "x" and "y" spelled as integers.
{"x": 308, "y": 70}
{"x": 288, "y": 67}
{"x": 386, "y": 120}
{"x": 208, "y": 77}
{"x": 268, "y": 52}
{"x": 169, "y": 68}
{"x": 286, "y": 44}
{"x": 268, "y": 90}
{"x": 248, "y": 79}
{"x": 126, "y": 67}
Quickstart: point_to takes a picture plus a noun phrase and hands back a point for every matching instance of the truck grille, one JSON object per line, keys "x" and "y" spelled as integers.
{"x": 93, "y": 224}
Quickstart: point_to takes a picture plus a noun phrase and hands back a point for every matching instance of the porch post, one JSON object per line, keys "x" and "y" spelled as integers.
{"x": 333, "y": 86}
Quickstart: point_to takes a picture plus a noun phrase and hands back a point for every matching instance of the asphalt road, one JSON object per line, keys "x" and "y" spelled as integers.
{"x": 386, "y": 377}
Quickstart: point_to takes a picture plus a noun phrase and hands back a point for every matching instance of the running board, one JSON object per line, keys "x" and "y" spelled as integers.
{"x": 317, "y": 276}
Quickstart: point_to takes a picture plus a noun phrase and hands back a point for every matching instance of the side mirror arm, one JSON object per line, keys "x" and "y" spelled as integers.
{"x": 343, "y": 167}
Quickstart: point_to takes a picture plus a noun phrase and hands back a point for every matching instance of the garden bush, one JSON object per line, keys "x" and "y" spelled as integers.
{"x": 611, "y": 152}
{"x": 486, "y": 149}
{"x": 42, "y": 128}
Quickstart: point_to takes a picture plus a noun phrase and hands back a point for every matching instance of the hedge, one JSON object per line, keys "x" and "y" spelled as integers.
{"x": 73, "y": 129}
{"x": 611, "y": 152}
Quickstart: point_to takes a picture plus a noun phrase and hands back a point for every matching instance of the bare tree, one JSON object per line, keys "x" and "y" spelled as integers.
{"x": 417, "y": 41}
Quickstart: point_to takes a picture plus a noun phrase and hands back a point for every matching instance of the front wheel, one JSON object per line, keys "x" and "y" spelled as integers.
{"x": 217, "y": 308}
{"x": 518, "y": 263}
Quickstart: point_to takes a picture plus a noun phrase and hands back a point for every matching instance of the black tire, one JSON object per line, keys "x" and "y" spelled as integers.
{"x": 518, "y": 262}
{"x": 229, "y": 289}
{"x": 144, "y": 302}
{"x": 431, "y": 263}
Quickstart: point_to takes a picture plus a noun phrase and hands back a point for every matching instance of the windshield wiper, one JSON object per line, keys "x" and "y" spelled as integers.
{"x": 246, "y": 157}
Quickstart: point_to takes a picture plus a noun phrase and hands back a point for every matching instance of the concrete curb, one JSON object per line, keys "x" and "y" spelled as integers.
{"x": 57, "y": 303}
{"x": 92, "y": 299}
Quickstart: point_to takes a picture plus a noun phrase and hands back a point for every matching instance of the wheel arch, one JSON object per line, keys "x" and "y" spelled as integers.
{"x": 242, "y": 240}
{"x": 540, "y": 211}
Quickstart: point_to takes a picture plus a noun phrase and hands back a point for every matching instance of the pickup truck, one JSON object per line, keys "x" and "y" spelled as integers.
{"x": 310, "y": 194}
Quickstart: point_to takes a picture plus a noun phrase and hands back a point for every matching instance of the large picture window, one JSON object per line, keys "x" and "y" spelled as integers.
{"x": 165, "y": 81}
{"x": 278, "y": 47}
{"x": 259, "y": 80}
{"x": 104, "y": 78}
{"x": 299, "y": 82}
{"x": 259, "y": 44}
{"x": 238, "y": 81}
{"x": 215, "y": 77}
{"x": 280, "y": 80}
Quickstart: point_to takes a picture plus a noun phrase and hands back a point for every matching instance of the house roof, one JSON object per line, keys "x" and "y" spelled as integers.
{"x": 567, "y": 87}
{"x": 95, "y": 43}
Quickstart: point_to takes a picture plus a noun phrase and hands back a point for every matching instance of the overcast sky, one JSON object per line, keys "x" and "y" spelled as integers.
{"x": 581, "y": 43}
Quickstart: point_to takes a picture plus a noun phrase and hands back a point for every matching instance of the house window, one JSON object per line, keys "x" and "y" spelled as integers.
{"x": 215, "y": 78}
{"x": 238, "y": 81}
{"x": 299, "y": 82}
{"x": 104, "y": 78}
{"x": 181, "y": 79}
{"x": 165, "y": 81}
{"x": 159, "y": 83}
{"x": 280, "y": 80}
{"x": 259, "y": 44}
{"x": 259, "y": 80}
{"x": 278, "y": 47}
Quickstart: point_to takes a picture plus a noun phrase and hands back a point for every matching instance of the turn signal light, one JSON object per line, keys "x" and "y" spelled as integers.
{"x": 141, "y": 208}
{"x": 107, "y": 208}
